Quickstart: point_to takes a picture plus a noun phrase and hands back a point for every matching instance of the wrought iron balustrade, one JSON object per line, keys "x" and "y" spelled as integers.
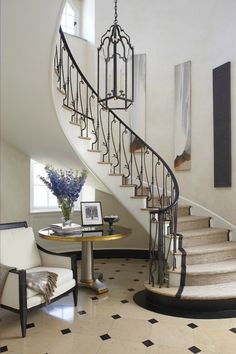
{"x": 128, "y": 155}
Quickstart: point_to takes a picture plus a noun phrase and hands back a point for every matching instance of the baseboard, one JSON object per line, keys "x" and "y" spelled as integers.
{"x": 121, "y": 253}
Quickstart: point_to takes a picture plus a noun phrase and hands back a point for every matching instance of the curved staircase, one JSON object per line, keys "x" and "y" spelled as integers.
{"x": 192, "y": 265}
{"x": 202, "y": 284}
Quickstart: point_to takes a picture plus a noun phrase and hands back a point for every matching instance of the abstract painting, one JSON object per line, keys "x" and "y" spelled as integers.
{"x": 182, "y": 116}
{"x": 137, "y": 112}
{"x": 222, "y": 126}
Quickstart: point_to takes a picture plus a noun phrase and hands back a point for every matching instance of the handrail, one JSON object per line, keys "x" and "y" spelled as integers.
{"x": 154, "y": 178}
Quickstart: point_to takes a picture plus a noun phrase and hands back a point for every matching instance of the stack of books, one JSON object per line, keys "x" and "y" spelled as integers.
{"x": 61, "y": 229}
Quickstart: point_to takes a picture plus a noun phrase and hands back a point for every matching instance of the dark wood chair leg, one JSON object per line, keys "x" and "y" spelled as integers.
{"x": 23, "y": 321}
{"x": 75, "y": 295}
{"x": 23, "y": 301}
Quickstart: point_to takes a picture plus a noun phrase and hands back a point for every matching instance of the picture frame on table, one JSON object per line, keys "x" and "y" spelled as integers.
{"x": 91, "y": 213}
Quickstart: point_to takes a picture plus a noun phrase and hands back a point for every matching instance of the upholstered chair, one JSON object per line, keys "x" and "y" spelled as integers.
{"x": 18, "y": 250}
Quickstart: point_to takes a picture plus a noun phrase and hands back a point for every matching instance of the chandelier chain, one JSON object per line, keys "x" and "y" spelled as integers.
{"x": 116, "y": 15}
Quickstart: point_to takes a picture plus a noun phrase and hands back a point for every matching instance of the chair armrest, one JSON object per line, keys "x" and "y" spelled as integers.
{"x": 14, "y": 292}
{"x": 57, "y": 260}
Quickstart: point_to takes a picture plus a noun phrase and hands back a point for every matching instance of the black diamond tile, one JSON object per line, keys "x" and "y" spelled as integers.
{"x": 30, "y": 325}
{"x": 131, "y": 289}
{"x": 144, "y": 266}
{"x": 140, "y": 272}
{"x": 3, "y": 349}
{"x": 136, "y": 279}
{"x": 82, "y": 312}
{"x": 152, "y": 320}
{"x": 123, "y": 264}
{"x": 194, "y": 350}
{"x": 66, "y": 331}
{"x": 103, "y": 263}
{"x": 96, "y": 268}
{"x": 233, "y": 330}
{"x": 192, "y": 325}
{"x": 94, "y": 298}
{"x": 118, "y": 270}
{"x": 116, "y": 316}
{"x": 105, "y": 336}
{"x": 124, "y": 301}
{"x": 111, "y": 278}
{"x": 148, "y": 343}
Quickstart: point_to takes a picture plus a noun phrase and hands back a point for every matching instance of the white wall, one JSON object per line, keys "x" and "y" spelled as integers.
{"x": 171, "y": 32}
{"x": 14, "y": 184}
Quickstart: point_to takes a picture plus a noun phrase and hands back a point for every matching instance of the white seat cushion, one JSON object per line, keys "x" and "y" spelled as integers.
{"x": 64, "y": 275}
{"x": 18, "y": 248}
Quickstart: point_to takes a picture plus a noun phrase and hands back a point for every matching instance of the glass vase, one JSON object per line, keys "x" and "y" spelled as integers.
{"x": 67, "y": 208}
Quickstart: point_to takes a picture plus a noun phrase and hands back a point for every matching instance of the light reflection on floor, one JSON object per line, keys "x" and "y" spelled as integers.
{"x": 112, "y": 323}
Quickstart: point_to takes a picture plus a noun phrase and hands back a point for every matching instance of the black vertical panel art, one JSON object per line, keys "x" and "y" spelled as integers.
{"x": 222, "y": 126}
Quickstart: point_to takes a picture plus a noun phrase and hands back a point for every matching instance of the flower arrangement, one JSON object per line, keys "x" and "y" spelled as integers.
{"x": 66, "y": 186}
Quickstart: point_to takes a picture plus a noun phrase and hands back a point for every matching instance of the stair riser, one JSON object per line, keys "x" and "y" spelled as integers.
{"x": 212, "y": 257}
{"x": 192, "y": 225}
{"x": 206, "y": 279}
{"x": 204, "y": 240}
{"x": 183, "y": 211}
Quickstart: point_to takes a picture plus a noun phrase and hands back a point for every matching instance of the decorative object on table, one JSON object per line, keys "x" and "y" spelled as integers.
{"x": 61, "y": 229}
{"x": 91, "y": 213}
{"x": 66, "y": 186}
{"x": 111, "y": 219}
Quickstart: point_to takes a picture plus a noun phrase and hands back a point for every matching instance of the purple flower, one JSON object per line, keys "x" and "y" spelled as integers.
{"x": 64, "y": 184}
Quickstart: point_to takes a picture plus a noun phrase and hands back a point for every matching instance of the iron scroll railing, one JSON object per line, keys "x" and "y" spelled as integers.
{"x": 127, "y": 154}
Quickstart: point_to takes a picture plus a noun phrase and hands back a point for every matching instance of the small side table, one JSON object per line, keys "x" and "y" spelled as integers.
{"x": 54, "y": 243}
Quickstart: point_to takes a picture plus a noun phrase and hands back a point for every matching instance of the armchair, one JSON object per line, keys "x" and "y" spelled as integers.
{"x": 19, "y": 251}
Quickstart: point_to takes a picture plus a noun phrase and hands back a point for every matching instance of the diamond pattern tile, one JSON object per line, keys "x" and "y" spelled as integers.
{"x": 116, "y": 317}
{"x": 66, "y": 331}
{"x": 192, "y": 325}
{"x": 124, "y": 301}
{"x": 148, "y": 343}
{"x": 152, "y": 320}
{"x": 233, "y": 330}
{"x": 105, "y": 336}
{"x": 194, "y": 350}
{"x": 30, "y": 325}
{"x": 82, "y": 312}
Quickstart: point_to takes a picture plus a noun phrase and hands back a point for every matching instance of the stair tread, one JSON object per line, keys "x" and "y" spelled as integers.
{"x": 208, "y": 248}
{"x": 201, "y": 292}
{"x": 189, "y": 218}
{"x": 203, "y": 231}
{"x": 209, "y": 268}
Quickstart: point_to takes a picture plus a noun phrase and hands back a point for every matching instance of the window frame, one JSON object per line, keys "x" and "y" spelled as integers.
{"x": 77, "y": 18}
{"x": 47, "y": 208}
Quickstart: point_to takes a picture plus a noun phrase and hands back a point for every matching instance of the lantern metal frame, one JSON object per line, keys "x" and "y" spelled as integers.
{"x": 118, "y": 55}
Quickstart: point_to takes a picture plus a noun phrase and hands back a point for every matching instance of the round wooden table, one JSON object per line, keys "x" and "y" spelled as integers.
{"x": 54, "y": 243}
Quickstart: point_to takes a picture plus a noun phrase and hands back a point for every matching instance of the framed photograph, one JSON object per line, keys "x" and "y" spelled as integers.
{"x": 91, "y": 213}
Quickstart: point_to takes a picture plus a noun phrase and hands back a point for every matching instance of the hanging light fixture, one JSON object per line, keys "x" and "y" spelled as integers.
{"x": 115, "y": 68}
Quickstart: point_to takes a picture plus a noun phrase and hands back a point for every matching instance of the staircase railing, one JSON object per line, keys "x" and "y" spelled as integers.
{"x": 127, "y": 154}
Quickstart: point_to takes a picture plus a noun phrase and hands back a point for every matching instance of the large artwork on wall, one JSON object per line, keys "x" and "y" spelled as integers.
{"x": 137, "y": 112}
{"x": 222, "y": 125}
{"x": 182, "y": 116}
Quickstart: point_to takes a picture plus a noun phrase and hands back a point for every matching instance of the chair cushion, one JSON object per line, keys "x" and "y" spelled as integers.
{"x": 18, "y": 248}
{"x": 64, "y": 275}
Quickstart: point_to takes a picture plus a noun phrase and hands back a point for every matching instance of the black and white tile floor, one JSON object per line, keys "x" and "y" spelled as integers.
{"x": 113, "y": 324}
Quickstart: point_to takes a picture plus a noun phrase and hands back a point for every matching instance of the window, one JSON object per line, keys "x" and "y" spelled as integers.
{"x": 69, "y": 20}
{"x": 42, "y": 198}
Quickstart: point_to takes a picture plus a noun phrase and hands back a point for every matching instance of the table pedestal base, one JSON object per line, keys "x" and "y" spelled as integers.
{"x": 96, "y": 285}
{"x": 88, "y": 278}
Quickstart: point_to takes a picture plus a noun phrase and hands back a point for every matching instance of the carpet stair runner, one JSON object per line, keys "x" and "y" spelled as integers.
{"x": 203, "y": 284}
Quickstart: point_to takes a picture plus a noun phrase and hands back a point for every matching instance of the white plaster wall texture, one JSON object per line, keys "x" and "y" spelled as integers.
{"x": 172, "y": 32}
